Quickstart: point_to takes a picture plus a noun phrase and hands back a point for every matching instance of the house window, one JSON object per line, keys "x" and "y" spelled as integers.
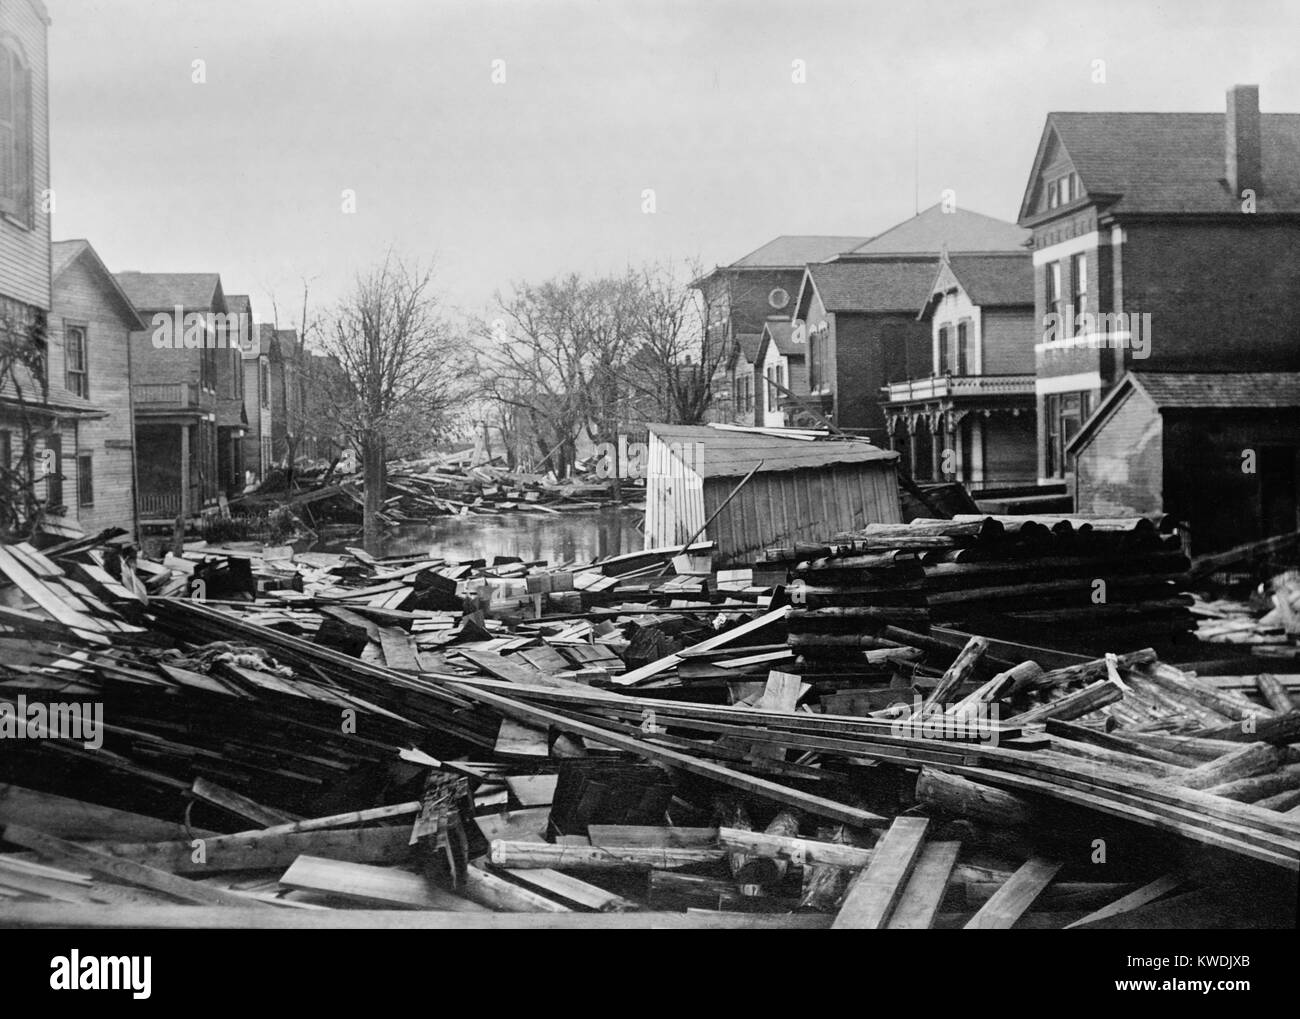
{"x": 963, "y": 353}
{"x": 744, "y": 392}
{"x": 264, "y": 382}
{"x": 775, "y": 373}
{"x": 16, "y": 195}
{"x": 6, "y": 450}
{"x": 74, "y": 357}
{"x": 816, "y": 360}
{"x": 943, "y": 351}
{"x": 1063, "y": 415}
{"x": 85, "y": 480}
{"x": 1079, "y": 276}
{"x": 1054, "y": 288}
{"x": 52, "y": 465}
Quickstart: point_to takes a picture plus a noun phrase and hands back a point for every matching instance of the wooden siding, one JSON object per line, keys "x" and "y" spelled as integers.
{"x": 774, "y": 508}
{"x": 24, "y": 253}
{"x": 82, "y": 298}
{"x": 1118, "y": 472}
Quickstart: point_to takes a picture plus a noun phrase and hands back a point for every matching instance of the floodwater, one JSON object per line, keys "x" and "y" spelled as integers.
{"x": 556, "y": 539}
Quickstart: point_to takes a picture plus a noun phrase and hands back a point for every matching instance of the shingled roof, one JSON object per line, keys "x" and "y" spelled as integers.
{"x": 1171, "y": 162}
{"x": 155, "y": 291}
{"x": 995, "y": 280}
{"x": 934, "y": 230}
{"x": 872, "y": 286}
{"x": 1198, "y": 391}
{"x": 727, "y": 453}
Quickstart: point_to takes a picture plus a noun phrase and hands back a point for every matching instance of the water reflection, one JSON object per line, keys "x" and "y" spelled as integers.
{"x": 570, "y": 537}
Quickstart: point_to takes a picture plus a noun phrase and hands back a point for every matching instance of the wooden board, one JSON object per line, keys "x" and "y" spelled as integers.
{"x": 877, "y": 888}
{"x": 1017, "y": 895}
{"x": 920, "y": 901}
{"x": 1133, "y": 900}
{"x": 383, "y": 886}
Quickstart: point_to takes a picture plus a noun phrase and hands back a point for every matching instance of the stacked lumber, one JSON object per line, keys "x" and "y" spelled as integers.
{"x": 1078, "y": 584}
{"x": 1268, "y": 623}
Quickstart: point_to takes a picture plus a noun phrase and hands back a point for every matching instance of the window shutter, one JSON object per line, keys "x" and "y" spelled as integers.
{"x": 25, "y": 197}
{"x": 8, "y": 135}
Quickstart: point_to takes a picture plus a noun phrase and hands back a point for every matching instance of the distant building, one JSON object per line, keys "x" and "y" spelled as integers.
{"x": 968, "y": 415}
{"x": 858, "y": 313}
{"x": 181, "y": 394}
{"x": 258, "y": 458}
{"x": 90, "y": 358}
{"x": 740, "y": 297}
{"x": 782, "y": 370}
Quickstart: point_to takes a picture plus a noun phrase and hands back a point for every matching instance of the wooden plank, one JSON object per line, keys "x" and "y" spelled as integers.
{"x": 650, "y": 835}
{"x": 816, "y": 805}
{"x": 79, "y": 917}
{"x": 399, "y": 649}
{"x": 533, "y": 790}
{"x": 920, "y": 901}
{"x": 239, "y": 805}
{"x": 337, "y": 820}
{"x": 663, "y": 664}
{"x": 46, "y": 599}
{"x": 361, "y": 882}
{"x": 875, "y": 891}
{"x": 126, "y": 871}
{"x": 566, "y": 887}
{"x": 1139, "y": 897}
{"x": 1017, "y": 895}
{"x": 244, "y": 852}
{"x": 78, "y": 820}
{"x": 497, "y": 893}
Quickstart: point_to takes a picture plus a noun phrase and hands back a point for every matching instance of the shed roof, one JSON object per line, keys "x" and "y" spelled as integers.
{"x": 728, "y": 453}
{"x": 1198, "y": 391}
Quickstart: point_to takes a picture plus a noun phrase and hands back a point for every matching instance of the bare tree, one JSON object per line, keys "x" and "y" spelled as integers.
{"x": 23, "y": 389}
{"x": 397, "y": 373}
{"x": 555, "y": 356}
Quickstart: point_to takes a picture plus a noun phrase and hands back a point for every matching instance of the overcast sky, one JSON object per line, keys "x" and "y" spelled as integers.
{"x": 544, "y": 173}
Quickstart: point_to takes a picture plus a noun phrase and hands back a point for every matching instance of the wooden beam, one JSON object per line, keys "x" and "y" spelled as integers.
{"x": 1011, "y": 900}
{"x": 874, "y": 892}
{"x": 920, "y": 901}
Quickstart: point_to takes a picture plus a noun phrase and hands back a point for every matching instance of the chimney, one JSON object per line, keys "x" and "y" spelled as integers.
{"x": 1241, "y": 126}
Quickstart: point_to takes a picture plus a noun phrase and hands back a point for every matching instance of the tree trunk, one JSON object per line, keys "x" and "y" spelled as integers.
{"x": 376, "y": 477}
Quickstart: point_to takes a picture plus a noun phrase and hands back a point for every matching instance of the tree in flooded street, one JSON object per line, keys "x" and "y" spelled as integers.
{"x": 398, "y": 371}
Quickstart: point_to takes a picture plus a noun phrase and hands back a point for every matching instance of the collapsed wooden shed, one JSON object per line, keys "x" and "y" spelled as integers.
{"x": 808, "y": 488}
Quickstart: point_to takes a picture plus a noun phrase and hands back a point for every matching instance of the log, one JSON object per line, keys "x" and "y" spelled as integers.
{"x": 960, "y": 797}
{"x": 1274, "y": 693}
{"x": 1279, "y": 731}
{"x": 1095, "y": 669}
{"x": 531, "y": 855}
{"x": 1225, "y": 702}
{"x": 962, "y": 669}
{"x": 265, "y": 852}
{"x": 1257, "y": 787}
{"x": 1073, "y": 705}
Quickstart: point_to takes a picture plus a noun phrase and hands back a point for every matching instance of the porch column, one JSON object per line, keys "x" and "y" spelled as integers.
{"x": 185, "y": 471}
{"x": 936, "y": 451}
{"x": 913, "y": 446}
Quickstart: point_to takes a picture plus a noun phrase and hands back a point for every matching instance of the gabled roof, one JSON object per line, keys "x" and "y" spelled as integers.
{"x": 794, "y": 251}
{"x": 748, "y": 344}
{"x": 727, "y": 453}
{"x": 781, "y": 332}
{"x": 64, "y": 254}
{"x": 990, "y": 281}
{"x": 1198, "y": 391}
{"x": 159, "y": 291}
{"x": 239, "y": 304}
{"x": 1168, "y": 162}
{"x": 934, "y": 230}
{"x": 898, "y": 285}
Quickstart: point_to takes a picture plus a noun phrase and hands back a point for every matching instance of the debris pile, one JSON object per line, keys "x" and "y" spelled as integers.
{"x": 621, "y": 744}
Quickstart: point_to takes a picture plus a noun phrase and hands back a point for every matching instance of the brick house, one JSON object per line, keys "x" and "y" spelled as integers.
{"x": 232, "y": 418}
{"x": 1165, "y": 242}
{"x": 969, "y": 413}
{"x": 37, "y": 424}
{"x": 738, "y": 299}
{"x": 90, "y": 330}
{"x": 178, "y": 364}
{"x": 858, "y": 313}
{"x": 1219, "y": 451}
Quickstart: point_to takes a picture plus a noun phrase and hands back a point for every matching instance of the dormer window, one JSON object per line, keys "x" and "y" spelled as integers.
{"x": 1063, "y": 190}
